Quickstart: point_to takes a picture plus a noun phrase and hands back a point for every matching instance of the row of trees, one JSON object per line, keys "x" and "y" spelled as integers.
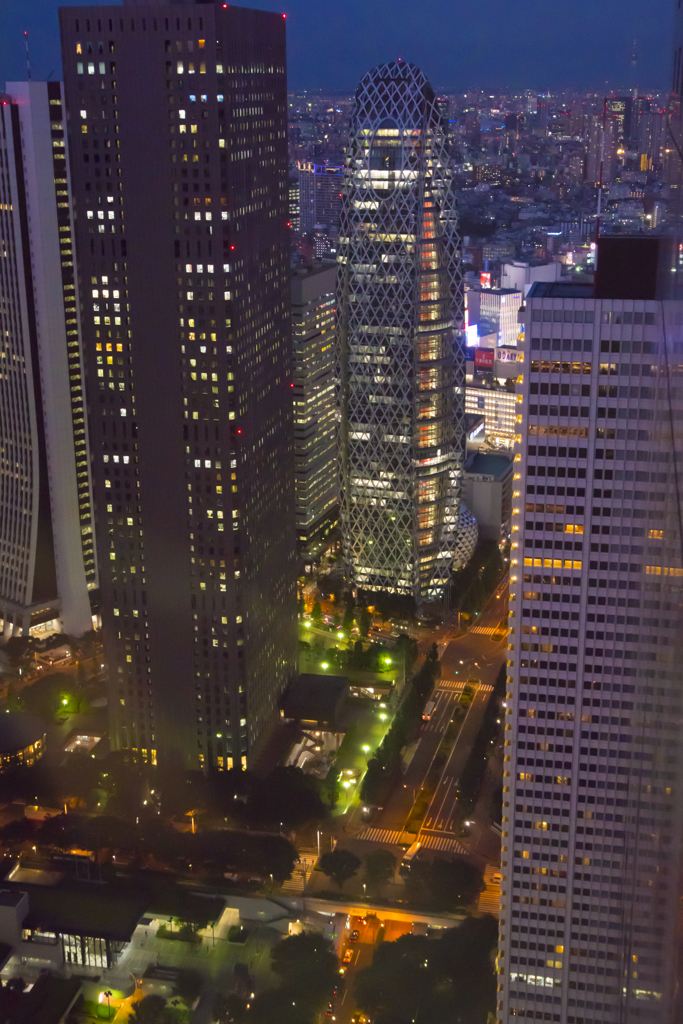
{"x": 472, "y": 775}
{"x": 307, "y": 970}
{"x": 286, "y": 797}
{"x": 351, "y": 616}
{"x": 153, "y": 843}
{"x": 472, "y": 585}
{"x": 451, "y": 978}
{"x": 384, "y": 764}
{"x": 438, "y": 884}
{"x": 340, "y": 865}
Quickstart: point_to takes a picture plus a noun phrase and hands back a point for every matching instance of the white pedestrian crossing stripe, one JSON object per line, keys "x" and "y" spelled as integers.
{"x": 380, "y": 835}
{"x": 488, "y": 630}
{"x": 442, "y": 844}
{"x": 489, "y": 901}
{"x": 456, "y": 686}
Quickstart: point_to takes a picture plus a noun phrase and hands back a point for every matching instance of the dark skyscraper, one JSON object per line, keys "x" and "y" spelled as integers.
{"x": 400, "y": 340}
{"x": 177, "y": 129}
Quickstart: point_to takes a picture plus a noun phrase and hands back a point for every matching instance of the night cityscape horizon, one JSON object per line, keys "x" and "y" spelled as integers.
{"x": 341, "y": 547}
{"x": 497, "y": 48}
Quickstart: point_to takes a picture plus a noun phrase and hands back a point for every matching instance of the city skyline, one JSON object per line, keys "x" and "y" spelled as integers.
{"x": 485, "y": 48}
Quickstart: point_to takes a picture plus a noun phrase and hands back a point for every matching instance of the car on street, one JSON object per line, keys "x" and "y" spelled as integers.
{"x": 348, "y": 956}
{"x": 354, "y": 936}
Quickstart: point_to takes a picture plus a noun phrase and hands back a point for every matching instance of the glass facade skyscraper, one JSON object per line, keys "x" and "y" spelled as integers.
{"x": 401, "y": 357}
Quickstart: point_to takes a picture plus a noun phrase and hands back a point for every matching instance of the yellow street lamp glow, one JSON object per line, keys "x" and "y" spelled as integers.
{"x": 366, "y": 748}
{"x": 340, "y": 635}
{"x": 324, "y": 665}
{"x": 388, "y": 661}
{"x": 346, "y": 783}
{"x": 307, "y": 625}
{"x": 383, "y": 717}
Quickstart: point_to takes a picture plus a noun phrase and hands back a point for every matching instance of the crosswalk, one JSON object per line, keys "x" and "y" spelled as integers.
{"x": 443, "y": 844}
{"x": 488, "y": 631}
{"x": 489, "y": 901}
{"x": 380, "y": 835}
{"x": 449, "y": 684}
{"x": 456, "y": 686}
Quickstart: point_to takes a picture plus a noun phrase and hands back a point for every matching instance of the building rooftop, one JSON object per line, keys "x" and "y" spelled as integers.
{"x": 85, "y": 908}
{"x": 314, "y": 697}
{"x": 47, "y": 1003}
{"x": 18, "y": 731}
{"x": 488, "y": 464}
{"x": 560, "y": 290}
{"x": 317, "y": 268}
{"x": 10, "y": 898}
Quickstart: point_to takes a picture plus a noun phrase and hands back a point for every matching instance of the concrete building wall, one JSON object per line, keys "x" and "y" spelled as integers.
{"x": 592, "y": 801}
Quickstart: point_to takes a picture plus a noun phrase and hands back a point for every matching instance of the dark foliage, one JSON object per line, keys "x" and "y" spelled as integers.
{"x": 450, "y": 979}
{"x": 152, "y": 1010}
{"x": 340, "y": 865}
{"x": 444, "y": 884}
{"x": 384, "y": 764}
{"x": 472, "y": 775}
{"x": 222, "y": 850}
{"x": 472, "y": 586}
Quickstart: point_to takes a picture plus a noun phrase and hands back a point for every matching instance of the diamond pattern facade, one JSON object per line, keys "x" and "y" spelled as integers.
{"x": 400, "y": 343}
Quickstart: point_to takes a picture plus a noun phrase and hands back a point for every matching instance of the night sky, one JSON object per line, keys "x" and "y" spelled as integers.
{"x": 536, "y": 44}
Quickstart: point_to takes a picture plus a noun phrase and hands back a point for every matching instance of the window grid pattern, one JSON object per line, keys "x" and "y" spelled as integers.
{"x": 591, "y": 801}
{"x": 401, "y": 357}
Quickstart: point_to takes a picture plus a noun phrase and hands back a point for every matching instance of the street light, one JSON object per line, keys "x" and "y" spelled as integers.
{"x": 366, "y": 748}
{"x": 107, "y": 995}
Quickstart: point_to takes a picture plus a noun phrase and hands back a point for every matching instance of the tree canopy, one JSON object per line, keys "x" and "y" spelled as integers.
{"x": 444, "y": 884}
{"x": 450, "y": 979}
{"x": 340, "y": 865}
{"x": 380, "y": 866}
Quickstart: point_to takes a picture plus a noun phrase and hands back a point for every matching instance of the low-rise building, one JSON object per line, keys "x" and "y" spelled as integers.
{"x": 487, "y": 492}
{"x": 22, "y": 740}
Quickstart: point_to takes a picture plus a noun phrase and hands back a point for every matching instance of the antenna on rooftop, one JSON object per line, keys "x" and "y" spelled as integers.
{"x": 28, "y": 62}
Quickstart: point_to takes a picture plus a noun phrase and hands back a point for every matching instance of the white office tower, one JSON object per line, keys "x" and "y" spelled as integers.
{"x": 47, "y": 560}
{"x": 401, "y": 359}
{"x": 315, "y": 412}
{"x": 592, "y": 787}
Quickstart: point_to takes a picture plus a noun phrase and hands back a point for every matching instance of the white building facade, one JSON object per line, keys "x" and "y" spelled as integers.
{"x": 47, "y": 558}
{"x": 315, "y": 411}
{"x": 592, "y": 786}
